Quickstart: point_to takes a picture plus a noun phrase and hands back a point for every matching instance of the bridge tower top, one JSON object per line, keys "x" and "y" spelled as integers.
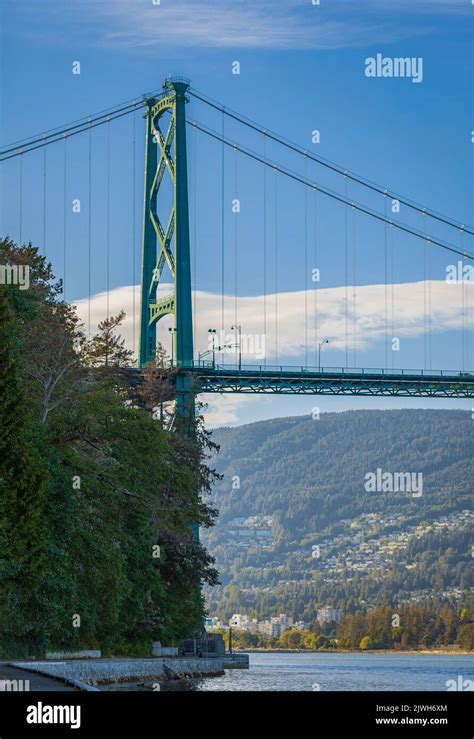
{"x": 166, "y": 160}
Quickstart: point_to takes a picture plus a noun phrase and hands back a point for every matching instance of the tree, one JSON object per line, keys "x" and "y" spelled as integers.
{"x": 107, "y": 348}
{"x": 465, "y": 637}
{"x": 156, "y": 392}
{"x": 23, "y": 476}
{"x": 291, "y": 639}
{"x": 52, "y": 358}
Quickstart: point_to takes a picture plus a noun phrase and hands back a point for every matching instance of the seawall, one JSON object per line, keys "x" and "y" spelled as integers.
{"x": 91, "y": 671}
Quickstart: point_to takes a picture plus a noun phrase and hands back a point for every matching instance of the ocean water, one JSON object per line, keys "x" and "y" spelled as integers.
{"x": 344, "y": 672}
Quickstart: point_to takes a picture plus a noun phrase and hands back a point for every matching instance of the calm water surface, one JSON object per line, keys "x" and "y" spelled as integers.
{"x": 303, "y": 672}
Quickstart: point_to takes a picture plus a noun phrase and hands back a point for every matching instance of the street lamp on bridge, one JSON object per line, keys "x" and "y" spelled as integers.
{"x": 212, "y": 351}
{"x": 323, "y": 341}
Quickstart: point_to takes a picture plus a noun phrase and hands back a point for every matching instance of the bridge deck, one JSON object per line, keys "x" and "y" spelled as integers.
{"x": 331, "y": 381}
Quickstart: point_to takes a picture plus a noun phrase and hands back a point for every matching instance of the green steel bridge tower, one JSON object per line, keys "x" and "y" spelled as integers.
{"x": 166, "y": 156}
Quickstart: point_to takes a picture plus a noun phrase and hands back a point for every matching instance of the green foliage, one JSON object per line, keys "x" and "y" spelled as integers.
{"x": 465, "y": 637}
{"x": 23, "y": 477}
{"x": 422, "y": 626}
{"x": 106, "y": 348}
{"x": 425, "y": 625}
{"x": 96, "y": 496}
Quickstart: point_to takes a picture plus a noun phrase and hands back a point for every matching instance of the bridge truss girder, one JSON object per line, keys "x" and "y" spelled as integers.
{"x": 222, "y": 381}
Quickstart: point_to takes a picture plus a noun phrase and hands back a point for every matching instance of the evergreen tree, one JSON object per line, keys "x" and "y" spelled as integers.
{"x": 23, "y": 477}
{"x": 107, "y": 348}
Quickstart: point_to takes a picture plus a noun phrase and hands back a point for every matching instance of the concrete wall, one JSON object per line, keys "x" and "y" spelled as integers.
{"x": 83, "y": 654}
{"x": 116, "y": 670}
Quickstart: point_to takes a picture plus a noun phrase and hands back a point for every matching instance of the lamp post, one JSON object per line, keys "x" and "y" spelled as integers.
{"x": 238, "y": 329}
{"x": 323, "y": 341}
{"x": 172, "y": 332}
{"x": 214, "y": 332}
{"x": 212, "y": 350}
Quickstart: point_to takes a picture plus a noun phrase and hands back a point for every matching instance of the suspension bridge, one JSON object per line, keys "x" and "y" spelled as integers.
{"x": 169, "y": 253}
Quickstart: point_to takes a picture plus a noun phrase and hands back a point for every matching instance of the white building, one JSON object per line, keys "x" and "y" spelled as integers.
{"x": 286, "y": 622}
{"x": 328, "y": 614}
{"x": 242, "y": 622}
{"x": 301, "y": 625}
{"x": 273, "y": 627}
{"x": 269, "y": 628}
{"x": 237, "y": 620}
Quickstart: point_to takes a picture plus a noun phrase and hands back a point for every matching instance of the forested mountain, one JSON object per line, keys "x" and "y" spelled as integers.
{"x": 300, "y": 528}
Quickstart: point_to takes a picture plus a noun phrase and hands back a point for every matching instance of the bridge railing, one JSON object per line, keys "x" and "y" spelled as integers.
{"x": 284, "y": 369}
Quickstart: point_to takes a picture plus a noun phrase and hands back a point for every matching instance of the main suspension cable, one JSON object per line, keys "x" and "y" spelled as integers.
{"x": 330, "y": 193}
{"x": 48, "y": 139}
{"x": 331, "y": 165}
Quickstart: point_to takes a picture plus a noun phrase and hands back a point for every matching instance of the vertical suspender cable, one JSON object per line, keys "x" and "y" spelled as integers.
{"x": 386, "y": 278}
{"x": 108, "y": 219}
{"x": 134, "y": 224}
{"x": 223, "y": 231}
{"x": 276, "y": 265}
{"x": 468, "y": 288}
{"x": 237, "y": 211}
{"x": 466, "y": 285}
{"x": 194, "y": 281}
{"x": 316, "y": 275}
{"x": 346, "y": 280}
{"x": 429, "y": 309}
{"x": 65, "y": 219}
{"x": 425, "y": 300}
{"x": 21, "y": 195}
{"x": 89, "y": 235}
{"x": 392, "y": 269}
{"x": 463, "y": 311}
{"x": 305, "y": 282}
{"x": 44, "y": 198}
{"x": 265, "y": 244}
{"x": 354, "y": 296}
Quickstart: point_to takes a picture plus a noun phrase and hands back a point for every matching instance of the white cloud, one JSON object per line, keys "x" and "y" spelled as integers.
{"x": 225, "y": 409}
{"x": 409, "y": 322}
{"x": 271, "y": 24}
{"x": 367, "y": 306}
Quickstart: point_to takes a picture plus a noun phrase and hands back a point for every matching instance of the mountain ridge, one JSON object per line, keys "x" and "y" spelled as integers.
{"x": 309, "y": 476}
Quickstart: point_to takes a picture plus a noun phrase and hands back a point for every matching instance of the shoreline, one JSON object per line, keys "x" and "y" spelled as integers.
{"x": 452, "y": 653}
{"x": 87, "y": 674}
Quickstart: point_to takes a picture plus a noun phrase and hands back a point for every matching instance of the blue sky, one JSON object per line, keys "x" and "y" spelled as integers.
{"x": 301, "y": 68}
